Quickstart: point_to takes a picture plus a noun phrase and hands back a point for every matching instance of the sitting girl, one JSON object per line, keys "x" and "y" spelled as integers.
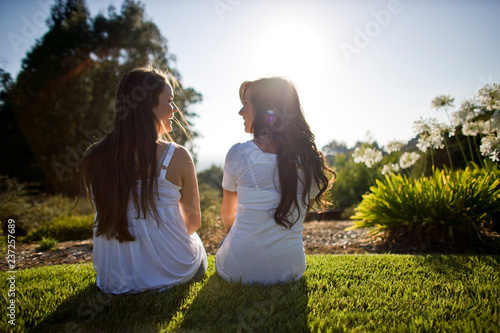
{"x": 269, "y": 186}
{"x": 145, "y": 193}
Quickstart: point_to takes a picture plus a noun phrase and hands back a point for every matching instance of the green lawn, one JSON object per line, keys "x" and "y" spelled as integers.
{"x": 351, "y": 293}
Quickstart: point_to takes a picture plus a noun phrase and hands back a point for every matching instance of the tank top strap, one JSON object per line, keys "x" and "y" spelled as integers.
{"x": 165, "y": 159}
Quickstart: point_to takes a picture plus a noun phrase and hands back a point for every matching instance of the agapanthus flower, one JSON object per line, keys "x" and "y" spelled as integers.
{"x": 431, "y": 134}
{"x": 489, "y": 96}
{"x": 389, "y": 169}
{"x": 494, "y": 156}
{"x": 442, "y": 101}
{"x": 424, "y": 125}
{"x": 473, "y": 128}
{"x": 368, "y": 156}
{"x": 490, "y": 144}
{"x": 394, "y": 145}
{"x": 423, "y": 143}
{"x": 408, "y": 159}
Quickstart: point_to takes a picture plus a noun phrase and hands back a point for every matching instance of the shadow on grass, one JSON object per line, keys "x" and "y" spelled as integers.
{"x": 91, "y": 310}
{"x": 221, "y": 306}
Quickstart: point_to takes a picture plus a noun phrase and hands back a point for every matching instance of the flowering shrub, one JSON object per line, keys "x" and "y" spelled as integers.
{"x": 443, "y": 211}
{"x": 451, "y": 207}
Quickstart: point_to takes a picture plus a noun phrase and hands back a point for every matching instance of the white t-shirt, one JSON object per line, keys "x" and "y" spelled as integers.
{"x": 163, "y": 253}
{"x": 257, "y": 249}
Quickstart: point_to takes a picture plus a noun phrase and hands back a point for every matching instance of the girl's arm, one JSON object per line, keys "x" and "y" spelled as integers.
{"x": 189, "y": 203}
{"x": 311, "y": 203}
{"x": 228, "y": 208}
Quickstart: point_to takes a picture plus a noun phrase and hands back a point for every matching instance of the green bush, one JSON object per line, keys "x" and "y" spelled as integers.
{"x": 47, "y": 244}
{"x": 64, "y": 228}
{"x": 444, "y": 211}
{"x": 30, "y": 209}
{"x": 353, "y": 181}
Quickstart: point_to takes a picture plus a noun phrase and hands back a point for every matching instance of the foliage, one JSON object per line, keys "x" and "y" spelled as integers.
{"x": 362, "y": 293}
{"x": 64, "y": 228}
{"x": 210, "y": 203}
{"x": 62, "y": 100}
{"x": 212, "y": 177}
{"x": 16, "y": 154}
{"x": 444, "y": 211}
{"x": 210, "y": 188}
{"x": 47, "y": 244}
{"x": 353, "y": 181}
{"x": 18, "y": 201}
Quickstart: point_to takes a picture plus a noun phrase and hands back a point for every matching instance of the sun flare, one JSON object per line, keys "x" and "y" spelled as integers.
{"x": 295, "y": 51}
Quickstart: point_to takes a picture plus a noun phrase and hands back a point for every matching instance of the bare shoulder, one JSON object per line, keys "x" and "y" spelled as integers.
{"x": 182, "y": 160}
{"x": 182, "y": 153}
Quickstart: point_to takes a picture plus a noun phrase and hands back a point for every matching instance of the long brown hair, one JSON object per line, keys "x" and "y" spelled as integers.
{"x": 278, "y": 114}
{"x": 112, "y": 167}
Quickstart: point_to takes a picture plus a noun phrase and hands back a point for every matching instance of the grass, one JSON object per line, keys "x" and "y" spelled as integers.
{"x": 338, "y": 293}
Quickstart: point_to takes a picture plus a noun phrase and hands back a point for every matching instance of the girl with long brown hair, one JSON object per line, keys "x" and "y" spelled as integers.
{"x": 269, "y": 185}
{"x": 145, "y": 193}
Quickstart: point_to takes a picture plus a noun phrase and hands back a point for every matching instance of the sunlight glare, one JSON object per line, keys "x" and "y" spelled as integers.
{"x": 292, "y": 50}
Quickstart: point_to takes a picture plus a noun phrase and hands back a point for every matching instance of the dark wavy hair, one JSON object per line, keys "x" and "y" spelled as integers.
{"x": 278, "y": 114}
{"x": 111, "y": 167}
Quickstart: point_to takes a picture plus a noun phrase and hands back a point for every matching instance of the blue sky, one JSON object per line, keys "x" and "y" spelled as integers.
{"x": 363, "y": 69}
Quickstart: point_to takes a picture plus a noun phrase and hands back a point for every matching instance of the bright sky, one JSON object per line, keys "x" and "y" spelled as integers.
{"x": 362, "y": 68}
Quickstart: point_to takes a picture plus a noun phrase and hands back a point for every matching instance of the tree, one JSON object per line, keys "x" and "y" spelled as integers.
{"x": 212, "y": 177}
{"x": 64, "y": 94}
{"x": 16, "y": 155}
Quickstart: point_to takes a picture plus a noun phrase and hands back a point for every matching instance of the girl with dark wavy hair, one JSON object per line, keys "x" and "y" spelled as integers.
{"x": 269, "y": 186}
{"x": 145, "y": 193}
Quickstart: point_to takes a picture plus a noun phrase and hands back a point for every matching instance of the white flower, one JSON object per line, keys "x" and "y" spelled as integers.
{"x": 473, "y": 128}
{"x": 424, "y": 125}
{"x": 443, "y": 128}
{"x": 489, "y": 144}
{"x": 442, "y": 101}
{"x": 390, "y": 169}
{"x": 489, "y": 96}
{"x": 394, "y": 145}
{"x": 431, "y": 136}
{"x": 408, "y": 159}
{"x": 368, "y": 156}
{"x": 423, "y": 143}
{"x": 494, "y": 156}
{"x": 437, "y": 140}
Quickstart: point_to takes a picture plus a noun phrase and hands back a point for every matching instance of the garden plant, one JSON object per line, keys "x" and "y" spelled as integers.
{"x": 452, "y": 209}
